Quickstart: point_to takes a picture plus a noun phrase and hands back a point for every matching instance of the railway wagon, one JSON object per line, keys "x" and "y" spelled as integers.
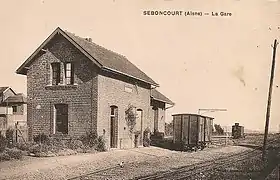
{"x": 237, "y": 131}
{"x": 192, "y": 131}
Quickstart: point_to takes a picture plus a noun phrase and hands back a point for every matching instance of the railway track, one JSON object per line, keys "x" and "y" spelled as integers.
{"x": 191, "y": 171}
{"x": 187, "y": 172}
{"x": 179, "y": 173}
{"x": 182, "y": 173}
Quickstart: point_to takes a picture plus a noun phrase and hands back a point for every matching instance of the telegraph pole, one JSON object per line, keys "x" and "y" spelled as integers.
{"x": 269, "y": 99}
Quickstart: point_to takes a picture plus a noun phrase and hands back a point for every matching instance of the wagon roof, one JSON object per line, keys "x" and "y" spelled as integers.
{"x": 190, "y": 114}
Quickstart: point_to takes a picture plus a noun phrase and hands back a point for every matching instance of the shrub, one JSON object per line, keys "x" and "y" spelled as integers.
{"x": 90, "y": 139}
{"x": 101, "y": 144}
{"x": 3, "y": 143}
{"x": 4, "y": 156}
{"x": 57, "y": 143}
{"x": 219, "y": 129}
{"x": 76, "y": 144}
{"x": 38, "y": 148}
{"x": 41, "y": 138}
{"x": 23, "y": 146}
{"x": 9, "y": 154}
{"x": 14, "y": 153}
{"x": 130, "y": 117}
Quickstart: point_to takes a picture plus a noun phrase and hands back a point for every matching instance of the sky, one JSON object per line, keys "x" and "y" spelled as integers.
{"x": 199, "y": 62}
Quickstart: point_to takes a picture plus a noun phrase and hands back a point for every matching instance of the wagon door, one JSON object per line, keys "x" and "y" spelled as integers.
{"x": 193, "y": 134}
{"x": 185, "y": 129}
{"x": 177, "y": 135}
{"x": 201, "y": 132}
{"x": 207, "y": 129}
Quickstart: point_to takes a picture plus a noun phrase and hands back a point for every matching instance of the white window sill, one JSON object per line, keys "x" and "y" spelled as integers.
{"x": 61, "y": 86}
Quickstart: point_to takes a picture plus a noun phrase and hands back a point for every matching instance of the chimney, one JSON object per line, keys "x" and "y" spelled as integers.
{"x": 89, "y": 39}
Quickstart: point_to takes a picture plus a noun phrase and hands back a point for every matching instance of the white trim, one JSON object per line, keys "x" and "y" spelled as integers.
{"x": 54, "y": 119}
{"x": 7, "y": 90}
{"x": 110, "y": 69}
{"x": 161, "y": 100}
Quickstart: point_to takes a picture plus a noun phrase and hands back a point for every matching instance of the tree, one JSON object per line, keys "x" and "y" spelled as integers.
{"x": 131, "y": 116}
{"x": 169, "y": 129}
{"x": 219, "y": 130}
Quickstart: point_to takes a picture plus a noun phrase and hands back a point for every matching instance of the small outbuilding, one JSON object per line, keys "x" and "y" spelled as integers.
{"x": 237, "y": 131}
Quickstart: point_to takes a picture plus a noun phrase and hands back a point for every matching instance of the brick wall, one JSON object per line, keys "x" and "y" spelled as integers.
{"x": 111, "y": 92}
{"x": 81, "y": 98}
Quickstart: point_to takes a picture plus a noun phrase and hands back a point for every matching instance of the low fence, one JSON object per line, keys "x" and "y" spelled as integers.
{"x": 17, "y": 133}
{"x": 221, "y": 140}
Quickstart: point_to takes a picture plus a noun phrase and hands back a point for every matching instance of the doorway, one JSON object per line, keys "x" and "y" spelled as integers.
{"x": 114, "y": 127}
{"x": 156, "y": 120}
{"x": 61, "y": 119}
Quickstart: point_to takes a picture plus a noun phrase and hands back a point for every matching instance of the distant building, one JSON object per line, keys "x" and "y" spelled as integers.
{"x": 13, "y": 109}
{"x": 237, "y": 131}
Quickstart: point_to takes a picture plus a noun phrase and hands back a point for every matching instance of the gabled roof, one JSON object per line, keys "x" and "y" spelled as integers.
{"x": 2, "y": 89}
{"x": 102, "y": 57}
{"x": 18, "y": 98}
{"x": 156, "y": 95}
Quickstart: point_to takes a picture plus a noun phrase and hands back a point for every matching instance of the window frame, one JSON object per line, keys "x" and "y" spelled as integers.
{"x": 69, "y": 78}
{"x": 15, "y": 109}
{"x": 56, "y": 73}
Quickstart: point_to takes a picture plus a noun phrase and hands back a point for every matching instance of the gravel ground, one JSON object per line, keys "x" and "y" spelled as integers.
{"x": 137, "y": 162}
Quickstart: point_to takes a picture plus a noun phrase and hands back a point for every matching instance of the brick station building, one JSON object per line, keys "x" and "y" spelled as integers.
{"x": 75, "y": 86}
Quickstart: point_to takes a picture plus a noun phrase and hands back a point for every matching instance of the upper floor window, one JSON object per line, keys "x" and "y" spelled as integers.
{"x": 69, "y": 73}
{"x": 14, "y": 109}
{"x": 55, "y": 73}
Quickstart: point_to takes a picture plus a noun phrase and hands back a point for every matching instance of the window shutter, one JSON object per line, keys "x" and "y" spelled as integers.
{"x": 48, "y": 74}
{"x": 72, "y": 73}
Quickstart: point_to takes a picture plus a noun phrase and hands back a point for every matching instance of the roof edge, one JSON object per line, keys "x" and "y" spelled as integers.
{"x": 23, "y": 67}
{"x": 10, "y": 89}
{"x": 116, "y": 71}
{"x": 171, "y": 103}
{"x": 20, "y": 70}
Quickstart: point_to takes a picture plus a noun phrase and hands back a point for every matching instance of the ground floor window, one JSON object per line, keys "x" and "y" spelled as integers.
{"x": 113, "y": 126}
{"x": 61, "y": 119}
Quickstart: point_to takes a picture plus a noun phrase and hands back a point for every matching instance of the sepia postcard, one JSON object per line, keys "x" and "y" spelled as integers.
{"x": 139, "y": 90}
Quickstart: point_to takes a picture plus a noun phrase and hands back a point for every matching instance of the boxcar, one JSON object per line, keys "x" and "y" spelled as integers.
{"x": 192, "y": 130}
